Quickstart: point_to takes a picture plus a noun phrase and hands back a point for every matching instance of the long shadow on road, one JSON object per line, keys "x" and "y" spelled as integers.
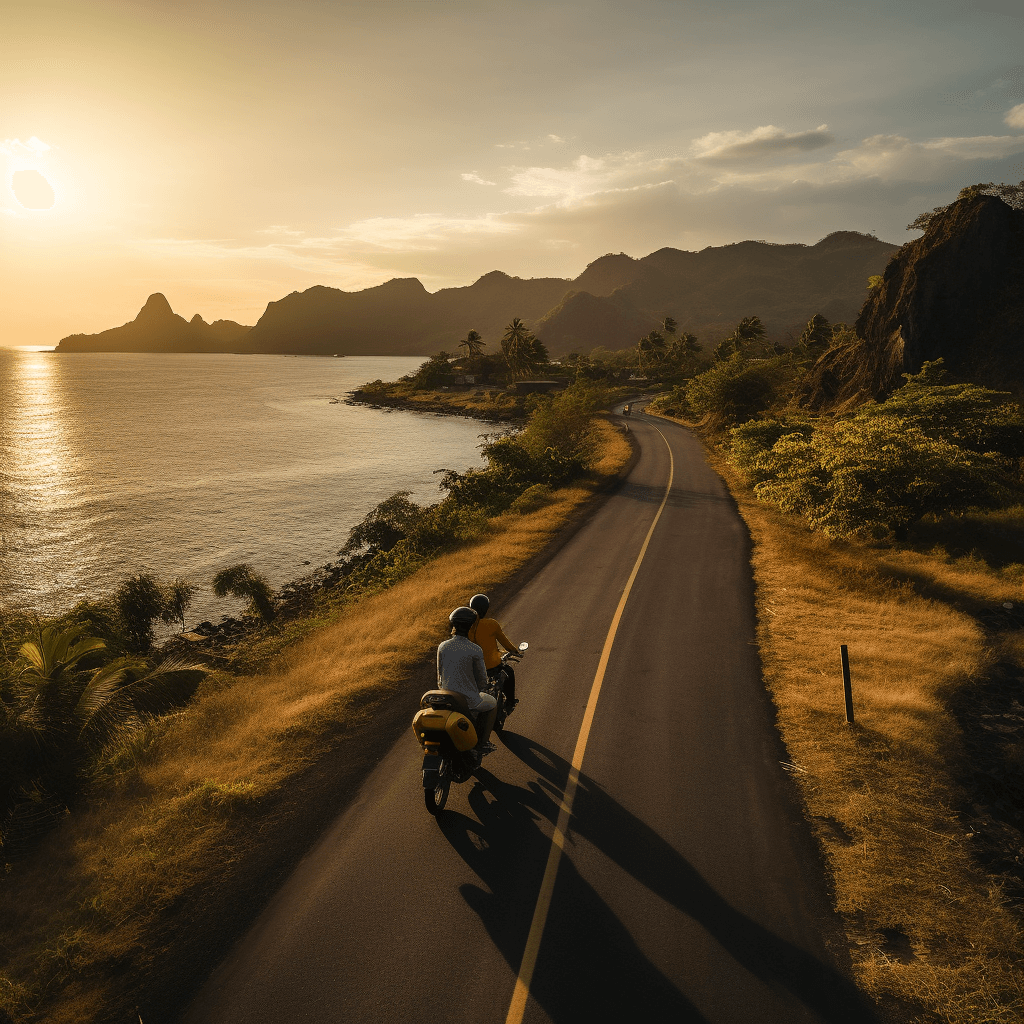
{"x": 602, "y": 972}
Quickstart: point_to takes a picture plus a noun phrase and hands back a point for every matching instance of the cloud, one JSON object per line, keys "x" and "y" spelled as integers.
{"x": 477, "y": 180}
{"x": 555, "y": 138}
{"x": 33, "y": 149}
{"x": 766, "y": 141}
{"x": 587, "y": 175}
{"x": 1015, "y": 116}
{"x": 557, "y": 217}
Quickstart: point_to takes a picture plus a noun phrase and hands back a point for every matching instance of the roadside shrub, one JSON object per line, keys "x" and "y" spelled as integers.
{"x": 531, "y": 499}
{"x": 753, "y": 439}
{"x": 966, "y": 414}
{"x": 384, "y": 525}
{"x": 564, "y": 423}
{"x": 735, "y": 390}
{"x": 873, "y": 475}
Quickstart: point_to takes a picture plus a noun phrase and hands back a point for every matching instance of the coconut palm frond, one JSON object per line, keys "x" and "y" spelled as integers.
{"x": 171, "y": 683}
{"x": 101, "y": 690}
{"x": 56, "y": 651}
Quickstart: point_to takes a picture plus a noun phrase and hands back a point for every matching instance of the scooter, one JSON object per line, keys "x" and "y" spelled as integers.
{"x": 447, "y": 734}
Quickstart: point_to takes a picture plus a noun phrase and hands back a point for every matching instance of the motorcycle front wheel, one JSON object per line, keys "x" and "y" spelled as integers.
{"x": 437, "y": 797}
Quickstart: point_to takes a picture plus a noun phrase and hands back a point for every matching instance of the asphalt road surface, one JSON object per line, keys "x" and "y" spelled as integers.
{"x": 688, "y": 890}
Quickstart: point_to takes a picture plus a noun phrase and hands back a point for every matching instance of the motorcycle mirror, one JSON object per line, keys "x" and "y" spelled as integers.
{"x": 523, "y": 646}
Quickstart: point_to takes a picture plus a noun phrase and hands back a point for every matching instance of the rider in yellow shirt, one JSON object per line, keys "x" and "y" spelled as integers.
{"x": 487, "y": 634}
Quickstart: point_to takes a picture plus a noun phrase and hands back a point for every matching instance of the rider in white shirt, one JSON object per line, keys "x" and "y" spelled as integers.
{"x": 460, "y": 667}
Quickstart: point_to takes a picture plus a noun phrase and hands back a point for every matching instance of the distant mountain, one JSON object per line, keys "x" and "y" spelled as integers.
{"x": 615, "y": 300}
{"x": 158, "y": 328}
{"x": 956, "y": 293}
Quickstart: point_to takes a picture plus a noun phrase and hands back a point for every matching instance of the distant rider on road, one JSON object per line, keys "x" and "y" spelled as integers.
{"x": 488, "y": 634}
{"x": 460, "y": 667}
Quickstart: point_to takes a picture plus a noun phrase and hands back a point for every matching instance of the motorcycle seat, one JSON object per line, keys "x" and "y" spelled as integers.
{"x": 445, "y": 700}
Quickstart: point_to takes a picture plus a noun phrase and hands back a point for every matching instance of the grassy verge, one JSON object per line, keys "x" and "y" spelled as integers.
{"x": 129, "y": 903}
{"x": 917, "y": 807}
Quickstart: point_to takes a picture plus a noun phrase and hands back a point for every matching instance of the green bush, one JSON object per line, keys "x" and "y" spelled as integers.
{"x": 753, "y": 439}
{"x": 531, "y": 499}
{"x": 872, "y": 475}
{"x": 736, "y": 389}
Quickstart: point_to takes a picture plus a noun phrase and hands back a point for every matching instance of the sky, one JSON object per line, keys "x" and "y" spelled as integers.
{"x": 228, "y": 153}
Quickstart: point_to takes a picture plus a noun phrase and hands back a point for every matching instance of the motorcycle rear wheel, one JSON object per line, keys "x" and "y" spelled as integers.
{"x": 436, "y": 798}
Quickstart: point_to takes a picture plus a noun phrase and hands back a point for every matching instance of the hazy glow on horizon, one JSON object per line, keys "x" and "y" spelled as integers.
{"x": 227, "y": 153}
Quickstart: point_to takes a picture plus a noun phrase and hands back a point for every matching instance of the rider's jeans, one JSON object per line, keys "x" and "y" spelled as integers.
{"x": 484, "y": 714}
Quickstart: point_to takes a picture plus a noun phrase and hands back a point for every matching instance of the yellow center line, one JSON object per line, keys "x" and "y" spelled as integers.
{"x": 547, "y": 885}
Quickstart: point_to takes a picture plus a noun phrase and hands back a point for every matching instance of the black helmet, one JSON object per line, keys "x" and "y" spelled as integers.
{"x": 462, "y": 617}
{"x": 480, "y": 603}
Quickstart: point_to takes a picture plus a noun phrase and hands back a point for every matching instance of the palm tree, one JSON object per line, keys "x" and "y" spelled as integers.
{"x": 749, "y": 329}
{"x": 71, "y": 713}
{"x": 177, "y": 600}
{"x": 473, "y": 345}
{"x": 243, "y": 580}
{"x": 653, "y": 344}
{"x": 669, "y": 326}
{"x": 517, "y": 344}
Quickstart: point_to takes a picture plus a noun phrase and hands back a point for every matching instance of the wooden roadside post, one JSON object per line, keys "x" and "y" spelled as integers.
{"x": 847, "y": 686}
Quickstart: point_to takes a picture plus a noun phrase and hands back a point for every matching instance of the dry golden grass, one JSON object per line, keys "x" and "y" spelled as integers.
{"x": 110, "y": 903}
{"x": 932, "y": 935}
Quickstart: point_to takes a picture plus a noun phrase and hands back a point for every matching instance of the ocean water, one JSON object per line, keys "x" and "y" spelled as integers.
{"x": 181, "y": 465}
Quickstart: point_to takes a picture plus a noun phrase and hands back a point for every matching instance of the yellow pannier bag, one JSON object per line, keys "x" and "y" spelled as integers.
{"x": 429, "y": 721}
{"x": 461, "y": 731}
{"x": 458, "y": 727}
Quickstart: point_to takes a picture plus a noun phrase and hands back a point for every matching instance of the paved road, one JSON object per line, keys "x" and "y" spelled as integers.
{"x": 688, "y": 890}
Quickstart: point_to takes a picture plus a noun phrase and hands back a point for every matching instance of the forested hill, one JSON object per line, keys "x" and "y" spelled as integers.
{"x": 614, "y": 301}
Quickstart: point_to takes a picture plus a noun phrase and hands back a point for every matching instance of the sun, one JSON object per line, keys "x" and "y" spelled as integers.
{"x": 32, "y": 190}
{"x": 27, "y": 181}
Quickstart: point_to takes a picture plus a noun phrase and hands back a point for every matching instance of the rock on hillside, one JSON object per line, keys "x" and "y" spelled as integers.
{"x": 956, "y": 293}
{"x": 158, "y": 328}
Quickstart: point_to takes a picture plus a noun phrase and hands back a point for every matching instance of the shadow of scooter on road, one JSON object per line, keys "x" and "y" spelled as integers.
{"x": 601, "y": 972}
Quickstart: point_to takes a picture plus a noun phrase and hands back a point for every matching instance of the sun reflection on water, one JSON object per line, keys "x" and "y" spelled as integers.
{"x": 35, "y": 465}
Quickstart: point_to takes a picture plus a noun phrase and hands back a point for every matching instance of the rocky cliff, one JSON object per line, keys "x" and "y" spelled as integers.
{"x": 158, "y": 328}
{"x": 956, "y": 293}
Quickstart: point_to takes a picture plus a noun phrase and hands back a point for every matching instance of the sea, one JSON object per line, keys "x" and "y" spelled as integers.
{"x": 181, "y": 465}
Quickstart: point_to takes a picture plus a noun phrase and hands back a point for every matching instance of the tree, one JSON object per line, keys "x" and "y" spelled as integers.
{"x": 745, "y": 333}
{"x": 177, "y": 600}
{"x": 435, "y": 372}
{"x": 748, "y": 330}
{"x": 139, "y": 601}
{"x": 922, "y": 220}
{"x": 473, "y": 344}
{"x": 243, "y": 581}
{"x": 652, "y": 344}
{"x": 669, "y": 326}
{"x": 817, "y": 336}
{"x": 684, "y": 346}
{"x": 523, "y": 352}
{"x": 734, "y": 390}
{"x": 385, "y": 525}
